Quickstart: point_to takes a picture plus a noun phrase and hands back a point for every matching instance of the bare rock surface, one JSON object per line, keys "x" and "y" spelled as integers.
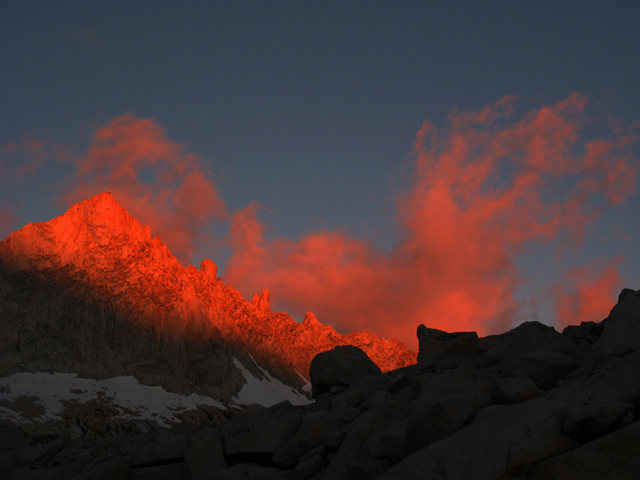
{"x": 621, "y": 330}
{"x": 339, "y": 368}
{"x": 610, "y": 457}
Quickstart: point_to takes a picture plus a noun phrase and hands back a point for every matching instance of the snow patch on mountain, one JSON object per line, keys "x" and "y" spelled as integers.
{"x": 265, "y": 391}
{"x": 38, "y": 397}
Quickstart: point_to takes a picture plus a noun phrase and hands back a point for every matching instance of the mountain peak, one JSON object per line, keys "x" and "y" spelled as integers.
{"x": 103, "y": 212}
{"x": 85, "y": 233}
{"x": 97, "y": 250}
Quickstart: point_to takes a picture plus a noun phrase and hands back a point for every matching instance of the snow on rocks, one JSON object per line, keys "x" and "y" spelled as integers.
{"x": 265, "y": 391}
{"x": 39, "y": 396}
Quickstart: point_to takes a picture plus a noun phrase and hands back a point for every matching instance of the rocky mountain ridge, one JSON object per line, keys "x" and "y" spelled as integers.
{"x": 93, "y": 290}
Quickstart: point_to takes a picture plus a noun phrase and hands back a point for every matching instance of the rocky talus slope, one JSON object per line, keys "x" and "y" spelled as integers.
{"x": 531, "y": 403}
{"x": 93, "y": 292}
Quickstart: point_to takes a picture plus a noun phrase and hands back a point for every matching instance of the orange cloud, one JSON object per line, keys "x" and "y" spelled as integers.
{"x": 153, "y": 178}
{"x": 587, "y": 293}
{"x": 25, "y": 156}
{"x": 484, "y": 187}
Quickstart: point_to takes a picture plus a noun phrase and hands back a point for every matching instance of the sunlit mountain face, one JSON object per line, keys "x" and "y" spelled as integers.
{"x": 142, "y": 304}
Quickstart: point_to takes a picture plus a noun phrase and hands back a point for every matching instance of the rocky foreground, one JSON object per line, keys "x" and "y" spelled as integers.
{"x": 531, "y": 403}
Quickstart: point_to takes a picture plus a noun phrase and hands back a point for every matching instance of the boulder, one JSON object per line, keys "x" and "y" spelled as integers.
{"x": 607, "y": 399}
{"x": 352, "y": 455}
{"x": 436, "y": 345}
{"x": 160, "y": 446}
{"x": 37, "y": 453}
{"x": 11, "y": 438}
{"x": 248, "y": 472}
{"x": 503, "y": 440}
{"x": 333, "y": 439}
{"x": 533, "y": 350}
{"x": 311, "y": 463}
{"x": 446, "y": 402}
{"x": 255, "y": 438}
{"x": 433, "y": 420}
{"x": 204, "y": 455}
{"x": 611, "y": 457}
{"x": 585, "y": 422}
{"x": 584, "y": 334}
{"x": 611, "y": 383}
{"x": 309, "y": 436}
{"x": 515, "y": 389}
{"x": 500, "y": 439}
{"x": 171, "y": 471}
{"x": 388, "y": 443}
{"x": 114, "y": 469}
{"x": 621, "y": 329}
{"x": 339, "y": 367}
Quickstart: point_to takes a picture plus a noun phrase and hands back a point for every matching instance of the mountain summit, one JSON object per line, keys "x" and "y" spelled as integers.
{"x": 93, "y": 292}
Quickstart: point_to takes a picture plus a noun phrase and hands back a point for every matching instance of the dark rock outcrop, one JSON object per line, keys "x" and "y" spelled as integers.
{"x": 436, "y": 345}
{"x": 338, "y": 368}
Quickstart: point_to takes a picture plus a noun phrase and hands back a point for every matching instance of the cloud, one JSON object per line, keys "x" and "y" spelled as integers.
{"x": 587, "y": 293}
{"x": 153, "y": 178}
{"x": 484, "y": 188}
{"x": 28, "y": 154}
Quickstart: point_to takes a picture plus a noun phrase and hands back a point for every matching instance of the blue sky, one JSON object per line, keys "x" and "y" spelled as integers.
{"x": 311, "y": 108}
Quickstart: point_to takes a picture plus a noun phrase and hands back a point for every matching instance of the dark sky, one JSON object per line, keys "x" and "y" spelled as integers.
{"x": 311, "y": 109}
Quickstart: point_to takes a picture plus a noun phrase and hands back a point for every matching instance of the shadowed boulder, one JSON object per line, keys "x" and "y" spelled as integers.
{"x": 438, "y": 345}
{"x": 339, "y": 367}
{"x": 533, "y": 350}
{"x": 621, "y": 329}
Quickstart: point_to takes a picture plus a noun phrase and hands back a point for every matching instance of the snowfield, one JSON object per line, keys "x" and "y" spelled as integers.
{"x": 266, "y": 391}
{"x": 37, "y": 397}
{"x": 30, "y": 397}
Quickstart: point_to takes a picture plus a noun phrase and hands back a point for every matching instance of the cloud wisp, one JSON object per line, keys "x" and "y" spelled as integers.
{"x": 485, "y": 186}
{"x": 587, "y": 293}
{"x": 154, "y": 178}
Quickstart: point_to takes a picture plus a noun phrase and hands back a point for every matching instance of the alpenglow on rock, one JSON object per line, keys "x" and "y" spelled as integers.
{"x": 92, "y": 292}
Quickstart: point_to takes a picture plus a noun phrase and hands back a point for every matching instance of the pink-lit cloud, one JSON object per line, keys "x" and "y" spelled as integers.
{"x": 28, "y": 154}
{"x": 588, "y": 293}
{"x": 484, "y": 187}
{"x": 153, "y": 178}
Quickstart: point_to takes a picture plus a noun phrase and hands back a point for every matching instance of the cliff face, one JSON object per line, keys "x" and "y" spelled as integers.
{"x": 92, "y": 291}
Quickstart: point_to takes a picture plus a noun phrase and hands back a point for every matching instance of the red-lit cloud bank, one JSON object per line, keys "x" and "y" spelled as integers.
{"x": 484, "y": 187}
